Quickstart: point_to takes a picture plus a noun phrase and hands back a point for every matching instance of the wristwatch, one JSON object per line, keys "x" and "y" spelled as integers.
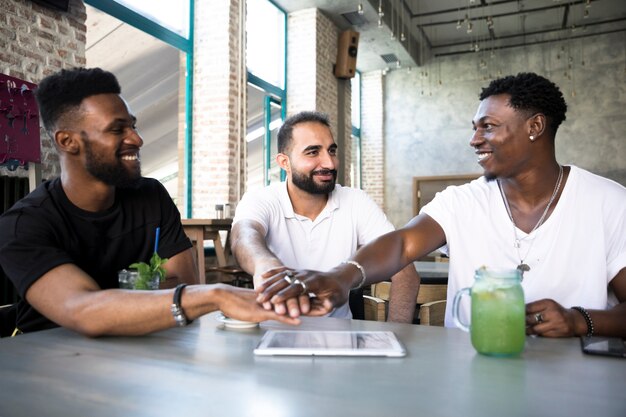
{"x": 177, "y": 309}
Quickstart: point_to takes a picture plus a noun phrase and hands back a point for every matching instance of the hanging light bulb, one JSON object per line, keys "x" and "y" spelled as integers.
{"x": 402, "y": 36}
{"x": 380, "y": 22}
{"x": 380, "y": 8}
{"x": 458, "y": 24}
{"x": 469, "y": 27}
{"x": 398, "y": 64}
{"x": 586, "y": 14}
{"x": 587, "y": 4}
{"x": 359, "y": 8}
{"x": 392, "y": 36}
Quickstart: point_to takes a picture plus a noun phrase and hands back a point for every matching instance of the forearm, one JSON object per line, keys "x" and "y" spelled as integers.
{"x": 130, "y": 312}
{"x": 380, "y": 259}
{"x": 391, "y": 252}
{"x": 251, "y": 251}
{"x": 610, "y": 322}
{"x": 403, "y": 295}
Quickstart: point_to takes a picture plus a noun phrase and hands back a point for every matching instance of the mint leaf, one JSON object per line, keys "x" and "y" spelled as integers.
{"x": 147, "y": 271}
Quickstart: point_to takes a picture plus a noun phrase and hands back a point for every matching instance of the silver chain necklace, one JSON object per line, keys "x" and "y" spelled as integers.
{"x": 523, "y": 267}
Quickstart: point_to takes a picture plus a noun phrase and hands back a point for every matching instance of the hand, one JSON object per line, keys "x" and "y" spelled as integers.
{"x": 280, "y": 308}
{"x": 241, "y": 304}
{"x": 302, "y": 292}
{"x": 550, "y": 319}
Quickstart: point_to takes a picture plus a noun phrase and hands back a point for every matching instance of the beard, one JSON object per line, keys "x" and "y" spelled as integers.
{"x": 111, "y": 173}
{"x": 307, "y": 182}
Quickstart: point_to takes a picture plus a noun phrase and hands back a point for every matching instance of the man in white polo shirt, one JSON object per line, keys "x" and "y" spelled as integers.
{"x": 308, "y": 221}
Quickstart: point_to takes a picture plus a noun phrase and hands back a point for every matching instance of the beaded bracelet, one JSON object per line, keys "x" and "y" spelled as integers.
{"x": 363, "y": 276}
{"x": 587, "y": 317}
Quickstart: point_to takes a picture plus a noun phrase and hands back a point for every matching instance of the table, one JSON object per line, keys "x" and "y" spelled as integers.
{"x": 432, "y": 272}
{"x": 199, "y": 230}
{"x": 206, "y": 370}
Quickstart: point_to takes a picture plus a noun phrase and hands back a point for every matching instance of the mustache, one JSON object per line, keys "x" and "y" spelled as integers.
{"x": 325, "y": 172}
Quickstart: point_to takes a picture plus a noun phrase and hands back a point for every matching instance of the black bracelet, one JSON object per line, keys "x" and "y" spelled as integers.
{"x": 177, "y": 309}
{"x": 587, "y": 317}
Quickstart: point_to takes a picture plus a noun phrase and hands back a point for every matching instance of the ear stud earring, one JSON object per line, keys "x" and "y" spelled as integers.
{"x": 532, "y": 138}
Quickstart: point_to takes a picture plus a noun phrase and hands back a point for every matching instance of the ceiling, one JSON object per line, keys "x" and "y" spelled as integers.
{"x": 148, "y": 69}
{"x": 433, "y": 28}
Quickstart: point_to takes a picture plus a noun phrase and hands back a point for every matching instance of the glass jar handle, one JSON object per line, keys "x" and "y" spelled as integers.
{"x": 455, "y": 309}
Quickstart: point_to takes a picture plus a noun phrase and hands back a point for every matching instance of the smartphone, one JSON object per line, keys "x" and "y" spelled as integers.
{"x": 606, "y": 346}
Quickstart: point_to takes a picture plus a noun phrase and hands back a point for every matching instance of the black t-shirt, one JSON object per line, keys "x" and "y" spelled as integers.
{"x": 45, "y": 230}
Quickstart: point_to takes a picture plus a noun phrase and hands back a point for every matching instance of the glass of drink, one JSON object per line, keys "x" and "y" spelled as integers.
{"x": 133, "y": 280}
{"x": 497, "y": 312}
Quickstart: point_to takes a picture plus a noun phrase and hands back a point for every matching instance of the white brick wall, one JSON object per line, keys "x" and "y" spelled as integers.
{"x": 311, "y": 83}
{"x": 219, "y": 82}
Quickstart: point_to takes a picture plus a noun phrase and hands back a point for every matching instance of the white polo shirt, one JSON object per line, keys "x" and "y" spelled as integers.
{"x": 349, "y": 220}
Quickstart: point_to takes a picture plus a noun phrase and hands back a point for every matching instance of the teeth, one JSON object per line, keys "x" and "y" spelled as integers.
{"x": 482, "y": 156}
{"x": 130, "y": 157}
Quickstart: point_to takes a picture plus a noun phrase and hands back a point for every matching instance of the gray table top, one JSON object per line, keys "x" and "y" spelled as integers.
{"x": 432, "y": 269}
{"x": 205, "y": 369}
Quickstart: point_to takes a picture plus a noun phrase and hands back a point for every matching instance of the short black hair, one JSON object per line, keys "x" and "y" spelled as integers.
{"x": 62, "y": 92}
{"x": 531, "y": 93}
{"x": 285, "y": 133}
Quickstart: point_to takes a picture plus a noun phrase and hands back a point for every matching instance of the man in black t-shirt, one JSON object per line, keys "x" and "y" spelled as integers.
{"x": 63, "y": 244}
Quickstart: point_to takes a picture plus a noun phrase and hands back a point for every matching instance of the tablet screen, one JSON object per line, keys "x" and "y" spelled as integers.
{"x": 330, "y": 343}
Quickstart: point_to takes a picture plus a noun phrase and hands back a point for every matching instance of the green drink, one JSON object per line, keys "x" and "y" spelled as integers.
{"x": 497, "y": 313}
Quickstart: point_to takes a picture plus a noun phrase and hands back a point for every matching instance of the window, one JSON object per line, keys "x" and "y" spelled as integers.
{"x": 265, "y": 49}
{"x": 265, "y": 59}
{"x": 173, "y": 15}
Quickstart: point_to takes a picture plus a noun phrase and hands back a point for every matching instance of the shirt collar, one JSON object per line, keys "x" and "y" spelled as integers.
{"x": 331, "y": 205}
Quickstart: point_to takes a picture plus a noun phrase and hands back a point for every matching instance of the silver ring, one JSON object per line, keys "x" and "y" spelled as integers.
{"x": 302, "y": 284}
{"x": 539, "y": 317}
{"x": 288, "y": 276}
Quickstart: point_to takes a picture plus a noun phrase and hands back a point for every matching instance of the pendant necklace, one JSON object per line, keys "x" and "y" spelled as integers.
{"x": 523, "y": 267}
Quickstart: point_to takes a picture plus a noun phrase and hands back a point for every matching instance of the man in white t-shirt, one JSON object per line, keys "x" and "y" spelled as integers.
{"x": 564, "y": 227}
{"x": 308, "y": 221}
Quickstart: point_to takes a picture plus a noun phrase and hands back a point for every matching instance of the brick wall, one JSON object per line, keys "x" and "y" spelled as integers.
{"x": 311, "y": 83}
{"x": 218, "y": 105}
{"x": 36, "y": 41}
{"x": 372, "y": 136}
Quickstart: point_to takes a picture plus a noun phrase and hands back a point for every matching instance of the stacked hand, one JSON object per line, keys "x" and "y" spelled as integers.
{"x": 301, "y": 292}
{"x": 241, "y": 304}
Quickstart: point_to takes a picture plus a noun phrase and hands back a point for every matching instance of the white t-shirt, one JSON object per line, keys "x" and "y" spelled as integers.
{"x": 349, "y": 220}
{"x": 575, "y": 254}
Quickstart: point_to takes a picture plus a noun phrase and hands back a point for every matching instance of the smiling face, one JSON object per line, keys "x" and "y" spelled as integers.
{"x": 110, "y": 140}
{"x": 501, "y": 137}
{"x": 312, "y": 158}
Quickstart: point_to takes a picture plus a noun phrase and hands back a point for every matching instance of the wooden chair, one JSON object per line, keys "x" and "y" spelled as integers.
{"x": 431, "y": 301}
{"x": 374, "y": 308}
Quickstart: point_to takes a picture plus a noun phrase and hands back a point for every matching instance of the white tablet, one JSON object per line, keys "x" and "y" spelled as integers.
{"x": 330, "y": 343}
